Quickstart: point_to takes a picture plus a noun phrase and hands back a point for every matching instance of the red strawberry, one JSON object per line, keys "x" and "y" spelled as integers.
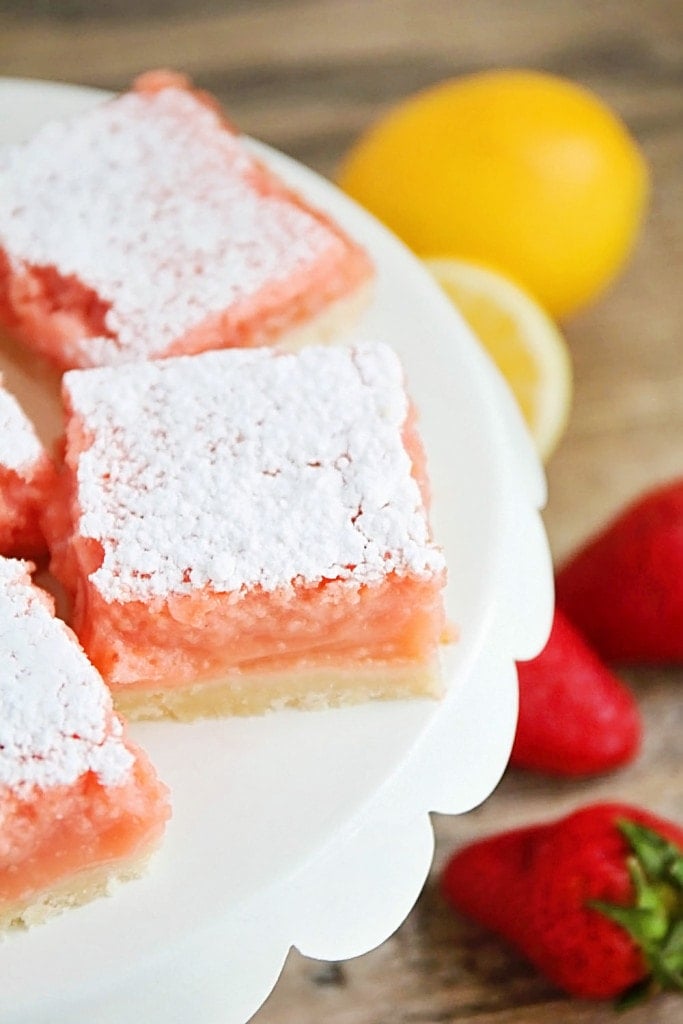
{"x": 624, "y": 589}
{"x": 594, "y": 900}
{"x": 575, "y": 716}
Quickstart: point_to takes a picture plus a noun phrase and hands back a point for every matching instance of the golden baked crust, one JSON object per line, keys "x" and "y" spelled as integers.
{"x": 73, "y": 892}
{"x": 252, "y": 693}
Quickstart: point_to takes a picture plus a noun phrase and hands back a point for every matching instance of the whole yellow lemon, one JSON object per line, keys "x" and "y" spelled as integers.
{"x": 523, "y": 171}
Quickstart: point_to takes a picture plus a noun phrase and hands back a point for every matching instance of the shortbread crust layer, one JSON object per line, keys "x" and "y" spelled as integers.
{"x": 87, "y": 885}
{"x": 310, "y": 687}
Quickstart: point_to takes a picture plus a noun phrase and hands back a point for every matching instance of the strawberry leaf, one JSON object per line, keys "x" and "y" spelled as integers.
{"x": 657, "y": 855}
{"x": 655, "y": 919}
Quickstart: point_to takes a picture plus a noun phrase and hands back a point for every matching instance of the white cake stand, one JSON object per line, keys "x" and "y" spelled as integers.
{"x": 312, "y": 829}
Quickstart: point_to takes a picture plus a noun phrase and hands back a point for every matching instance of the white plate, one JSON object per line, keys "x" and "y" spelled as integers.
{"x": 312, "y": 829}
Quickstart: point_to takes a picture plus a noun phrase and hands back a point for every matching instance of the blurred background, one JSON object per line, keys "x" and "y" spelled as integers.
{"x": 307, "y": 76}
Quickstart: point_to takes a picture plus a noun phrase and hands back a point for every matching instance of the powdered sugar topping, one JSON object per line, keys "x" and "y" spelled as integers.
{"x": 55, "y": 711}
{"x": 246, "y": 468}
{"x": 150, "y": 202}
{"x": 20, "y": 448}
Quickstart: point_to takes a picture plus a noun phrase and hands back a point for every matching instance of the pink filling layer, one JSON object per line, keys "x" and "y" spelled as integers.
{"x": 48, "y": 836}
{"x": 22, "y": 504}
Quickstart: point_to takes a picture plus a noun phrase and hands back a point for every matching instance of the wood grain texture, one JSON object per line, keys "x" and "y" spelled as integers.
{"x": 308, "y": 76}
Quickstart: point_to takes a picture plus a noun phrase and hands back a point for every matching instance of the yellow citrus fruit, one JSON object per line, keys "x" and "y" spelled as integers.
{"x": 519, "y": 170}
{"x": 522, "y": 340}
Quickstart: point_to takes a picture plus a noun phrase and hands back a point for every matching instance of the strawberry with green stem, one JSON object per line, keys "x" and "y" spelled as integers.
{"x": 594, "y": 900}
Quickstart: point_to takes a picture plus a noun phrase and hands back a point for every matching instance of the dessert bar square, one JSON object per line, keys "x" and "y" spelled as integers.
{"x": 80, "y": 805}
{"x": 145, "y": 228}
{"x": 247, "y": 529}
{"x": 27, "y": 476}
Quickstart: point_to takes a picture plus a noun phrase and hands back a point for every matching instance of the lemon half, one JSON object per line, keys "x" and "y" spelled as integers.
{"x": 521, "y": 339}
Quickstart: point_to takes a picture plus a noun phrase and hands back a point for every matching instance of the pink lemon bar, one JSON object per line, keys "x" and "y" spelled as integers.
{"x": 145, "y": 228}
{"x": 80, "y": 805}
{"x": 247, "y": 529}
{"x": 27, "y": 477}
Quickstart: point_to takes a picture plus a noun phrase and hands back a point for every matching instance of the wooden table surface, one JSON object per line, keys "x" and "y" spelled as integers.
{"x": 307, "y": 76}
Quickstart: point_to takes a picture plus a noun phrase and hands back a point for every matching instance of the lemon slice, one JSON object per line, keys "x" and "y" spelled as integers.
{"x": 521, "y": 339}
